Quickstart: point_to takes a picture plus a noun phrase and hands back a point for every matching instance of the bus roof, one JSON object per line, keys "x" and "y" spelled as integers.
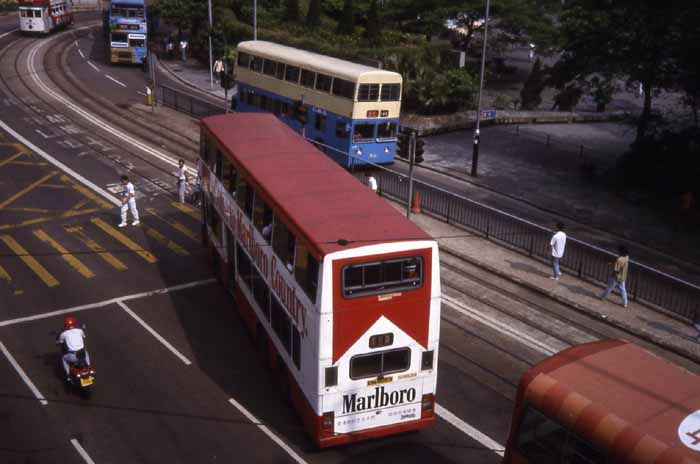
{"x": 323, "y": 201}
{"x": 320, "y": 63}
{"x": 621, "y": 397}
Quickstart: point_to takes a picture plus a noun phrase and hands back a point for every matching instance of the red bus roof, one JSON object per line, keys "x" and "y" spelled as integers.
{"x": 621, "y": 397}
{"x": 322, "y": 201}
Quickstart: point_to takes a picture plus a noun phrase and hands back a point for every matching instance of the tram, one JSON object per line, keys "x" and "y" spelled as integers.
{"x": 343, "y": 301}
{"x": 43, "y": 16}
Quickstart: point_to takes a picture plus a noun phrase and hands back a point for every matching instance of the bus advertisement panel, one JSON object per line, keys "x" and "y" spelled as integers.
{"x": 126, "y": 31}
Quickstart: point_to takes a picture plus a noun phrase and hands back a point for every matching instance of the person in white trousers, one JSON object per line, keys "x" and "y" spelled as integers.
{"x": 182, "y": 180}
{"x": 129, "y": 202}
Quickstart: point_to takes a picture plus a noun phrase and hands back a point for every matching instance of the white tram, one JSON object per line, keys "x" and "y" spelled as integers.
{"x": 43, "y": 16}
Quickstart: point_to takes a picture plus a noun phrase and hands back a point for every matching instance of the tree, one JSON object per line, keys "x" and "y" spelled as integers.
{"x": 530, "y": 95}
{"x": 313, "y": 16}
{"x": 182, "y": 13}
{"x": 373, "y": 30}
{"x": 291, "y": 11}
{"x": 346, "y": 25}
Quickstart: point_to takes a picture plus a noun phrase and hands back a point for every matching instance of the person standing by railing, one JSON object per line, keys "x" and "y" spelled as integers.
{"x": 619, "y": 275}
{"x": 558, "y": 244}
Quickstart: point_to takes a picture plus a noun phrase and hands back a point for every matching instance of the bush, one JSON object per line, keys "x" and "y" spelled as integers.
{"x": 531, "y": 94}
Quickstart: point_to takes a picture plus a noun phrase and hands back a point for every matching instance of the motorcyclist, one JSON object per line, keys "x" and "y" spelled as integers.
{"x": 72, "y": 338}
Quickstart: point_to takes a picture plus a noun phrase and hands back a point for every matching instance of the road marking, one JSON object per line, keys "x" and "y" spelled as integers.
{"x": 23, "y": 375}
{"x": 81, "y": 451}
{"x": 124, "y": 240}
{"x": 95, "y": 247}
{"x": 267, "y": 431}
{"x": 4, "y": 275}
{"x": 81, "y": 53}
{"x": 29, "y": 260}
{"x": 154, "y": 333}
{"x": 28, "y": 189}
{"x": 101, "y": 304}
{"x": 467, "y": 429}
{"x": 174, "y": 224}
{"x": 115, "y": 80}
{"x": 7, "y": 33}
{"x": 187, "y": 209}
{"x": 72, "y": 261}
{"x": 29, "y": 210}
{"x": 499, "y": 326}
{"x": 93, "y": 66}
{"x": 12, "y": 158}
{"x": 87, "y": 193}
{"x": 141, "y": 93}
{"x": 174, "y": 247}
{"x": 112, "y": 199}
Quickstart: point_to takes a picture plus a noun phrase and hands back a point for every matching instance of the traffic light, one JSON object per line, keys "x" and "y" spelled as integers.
{"x": 301, "y": 112}
{"x": 402, "y": 142}
{"x": 418, "y": 156}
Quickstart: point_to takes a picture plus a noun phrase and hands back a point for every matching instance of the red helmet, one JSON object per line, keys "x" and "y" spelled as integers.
{"x": 69, "y": 323}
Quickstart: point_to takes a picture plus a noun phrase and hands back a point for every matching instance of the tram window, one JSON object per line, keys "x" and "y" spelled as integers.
{"x": 283, "y": 243}
{"x": 279, "y": 74}
{"x": 269, "y": 67}
{"x": 343, "y": 88}
{"x": 382, "y": 277}
{"x": 306, "y": 271}
{"x": 243, "y": 60}
{"x": 540, "y": 439}
{"x": 256, "y": 63}
{"x": 387, "y": 130}
{"x": 244, "y": 266}
{"x": 296, "y": 347}
{"x": 391, "y": 92}
{"x": 363, "y": 133}
{"x": 308, "y": 78}
{"x": 320, "y": 123}
{"x": 244, "y": 197}
{"x": 368, "y": 92}
{"x": 380, "y": 363}
{"x": 37, "y": 14}
{"x": 22, "y": 13}
{"x": 342, "y": 131}
{"x": 262, "y": 218}
{"x": 261, "y": 292}
{"x": 323, "y": 82}
{"x": 291, "y": 74}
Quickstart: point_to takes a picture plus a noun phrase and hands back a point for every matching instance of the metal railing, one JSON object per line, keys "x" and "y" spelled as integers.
{"x": 644, "y": 284}
{"x": 185, "y": 103}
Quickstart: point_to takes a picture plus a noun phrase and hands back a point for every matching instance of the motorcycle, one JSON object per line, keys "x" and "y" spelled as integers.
{"x": 81, "y": 375}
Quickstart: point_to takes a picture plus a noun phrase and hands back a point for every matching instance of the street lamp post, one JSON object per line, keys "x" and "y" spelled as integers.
{"x": 255, "y": 19}
{"x": 211, "y": 64}
{"x": 475, "y": 146}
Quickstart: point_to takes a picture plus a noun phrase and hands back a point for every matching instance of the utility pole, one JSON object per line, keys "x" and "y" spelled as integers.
{"x": 411, "y": 159}
{"x": 211, "y": 63}
{"x": 255, "y": 19}
{"x": 475, "y": 146}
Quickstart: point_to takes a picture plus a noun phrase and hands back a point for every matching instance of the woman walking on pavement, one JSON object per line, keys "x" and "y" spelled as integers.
{"x": 619, "y": 275}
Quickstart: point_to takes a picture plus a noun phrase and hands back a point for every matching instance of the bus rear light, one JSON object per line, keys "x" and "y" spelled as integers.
{"x": 427, "y": 405}
{"x": 327, "y": 425}
{"x": 427, "y": 360}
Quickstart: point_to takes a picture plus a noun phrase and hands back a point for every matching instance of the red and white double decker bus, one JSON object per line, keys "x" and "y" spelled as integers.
{"x": 339, "y": 290}
{"x": 43, "y": 16}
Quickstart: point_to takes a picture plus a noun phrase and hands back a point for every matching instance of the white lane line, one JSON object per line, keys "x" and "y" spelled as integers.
{"x": 140, "y": 93}
{"x": 495, "y": 324}
{"x": 91, "y": 117}
{"x": 23, "y": 375}
{"x": 81, "y": 53}
{"x": 115, "y": 80}
{"x": 488, "y": 442}
{"x": 102, "y": 304}
{"x": 267, "y": 431}
{"x": 7, "y": 33}
{"x": 111, "y": 198}
{"x": 81, "y": 451}
{"x": 93, "y": 66}
{"x": 154, "y": 333}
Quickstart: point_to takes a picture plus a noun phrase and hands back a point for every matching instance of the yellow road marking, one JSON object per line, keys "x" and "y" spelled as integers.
{"x": 94, "y": 246}
{"x": 87, "y": 193}
{"x": 27, "y": 189}
{"x": 74, "y": 262}
{"x": 55, "y": 186}
{"x": 4, "y": 275}
{"x": 187, "y": 209}
{"x": 32, "y": 263}
{"x": 29, "y": 210}
{"x": 175, "y": 225}
{"x": 124, "y": 240}
{"x": 28, "y": 222}
{"x": 166, "y": 241}
{"x": 10, "y": 159}
{"x": 29, "y": 163}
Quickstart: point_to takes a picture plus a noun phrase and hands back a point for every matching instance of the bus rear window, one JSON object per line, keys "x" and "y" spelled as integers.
{"x": 391, "y": 92}
{"x": 368, "y": 92}
{"x": 381, "y": 363}
{"x": 382, "y": 277}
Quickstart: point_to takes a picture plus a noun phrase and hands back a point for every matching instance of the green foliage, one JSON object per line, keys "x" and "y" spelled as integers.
{"x": 346, "y": 24}
{"x": 373, "y": 30}
{"x": 184, "y": 14}
{"x": 441, "y": 92}
{"x": 602, "y": 90}
{"x": 503, "y": 102}
{"x": 313, "y": 16}
{"x": 530, "y": 95}
{"x": 291, "y": 11}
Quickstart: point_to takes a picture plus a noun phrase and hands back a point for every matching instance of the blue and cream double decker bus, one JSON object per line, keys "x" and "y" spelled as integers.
{"x": 126, "y": 31}
{"x": 350, "y": 110}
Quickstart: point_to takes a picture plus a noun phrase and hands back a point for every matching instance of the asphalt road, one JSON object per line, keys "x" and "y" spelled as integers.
{"x": 165, "y": 339}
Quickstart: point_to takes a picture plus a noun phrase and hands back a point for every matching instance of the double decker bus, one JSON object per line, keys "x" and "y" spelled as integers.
{"x": 606, "y": 402}
{"x": 342, "y": 297}
{"x": 351, "y": 110}
{"x": 125, "y": 28}
{"x": 43, "y": 16}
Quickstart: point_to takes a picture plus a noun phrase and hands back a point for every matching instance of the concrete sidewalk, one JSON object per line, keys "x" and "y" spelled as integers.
{"x": 192, "y": 74}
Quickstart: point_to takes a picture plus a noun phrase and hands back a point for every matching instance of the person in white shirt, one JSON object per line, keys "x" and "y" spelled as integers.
{"x": 129, "y": 202}
{"x": 182, "y": 180}
{"x": 558, "y": 243}
{"x": 72, "y": 340}
{"x": 219, "y": 70}
{"x": 371, "y": 182}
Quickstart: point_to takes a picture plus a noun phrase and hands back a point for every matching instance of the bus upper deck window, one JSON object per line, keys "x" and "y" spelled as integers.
{"x": 368, "y": 92}
{"x": 343, "y": 88}
{"x": 323, "y": 82}
{"x": 269, "y": 67}
{"x": 291, "y": 74}
{"x": 279, "y": 73}
{"x": 308, "y": 78}
{"x": 391, "y": 92}
{"x": 256, "y": 64}
{"x": 243, "y": 60}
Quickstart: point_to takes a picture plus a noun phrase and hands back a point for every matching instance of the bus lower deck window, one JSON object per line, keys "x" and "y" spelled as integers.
{"x": 387, "y": 130}
{"x": 138, "y": 43}
{"x": 363, "y": 133}
{"x": 381, "y": 363}
{"x": 320, "y": 122}
{"x": 341, "y": 130}
{"x": 382, "y": 276}
{"x": 119, "y": 37}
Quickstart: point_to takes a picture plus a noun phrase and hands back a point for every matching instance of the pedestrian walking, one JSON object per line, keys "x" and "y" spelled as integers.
{"x": 182, "y": 180}
{"x": 558, "y": 244}
{"x": 219, "y": 70}
{"x": 618, "y": 275}
{"x": 183, "y": 49}
{"x": 129, "y": 202}
{"x": 531, "y": 52}
{"x": 371, "y": 182}
{"x": 170, "y": 48}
